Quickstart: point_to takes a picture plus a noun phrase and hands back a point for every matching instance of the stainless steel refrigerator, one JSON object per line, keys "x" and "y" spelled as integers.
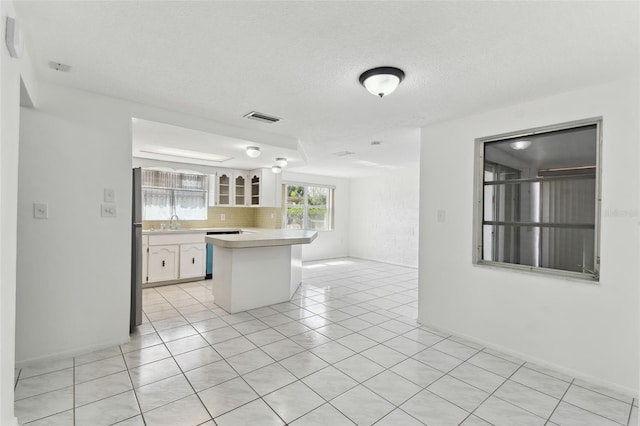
{"x": 136, "y": 251}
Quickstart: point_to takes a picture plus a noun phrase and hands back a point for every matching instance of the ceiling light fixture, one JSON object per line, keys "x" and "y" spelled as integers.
{"x": 382, "y": 80}
{"x": 520, "y": 145}
{"x": 253, "y": 151}
{"x": 281, "y": 162}
{"x": 276, "y": 169}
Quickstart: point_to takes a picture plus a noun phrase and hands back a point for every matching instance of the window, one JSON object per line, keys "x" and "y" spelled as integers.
{"x": 309, "y": 207}
{"x": 537, "y": 200}
{"x": 167, "y": 193}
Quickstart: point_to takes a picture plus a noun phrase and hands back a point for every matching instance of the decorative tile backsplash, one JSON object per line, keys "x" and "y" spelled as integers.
{"x": 249, "y": 217}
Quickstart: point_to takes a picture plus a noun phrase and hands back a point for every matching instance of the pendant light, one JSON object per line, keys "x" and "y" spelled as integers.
{"x": 382, "y": 81}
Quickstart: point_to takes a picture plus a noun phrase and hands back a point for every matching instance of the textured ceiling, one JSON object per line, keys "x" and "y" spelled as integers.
{"x": 301, "y": 60}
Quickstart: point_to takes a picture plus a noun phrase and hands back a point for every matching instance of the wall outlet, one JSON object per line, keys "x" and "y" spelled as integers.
{"x": 41, "y": 210}
{"x": 273, "y": 216}
{"x": 108, "y": 210}
{"x": 109, "y": 195}
{"x": 223, "y": 217}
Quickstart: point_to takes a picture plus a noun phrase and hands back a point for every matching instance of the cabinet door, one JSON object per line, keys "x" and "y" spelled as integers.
{"x": 192, "y": 260}
{"x": 163, "y": 263}
{"x": 255, "y": 180}
{"x": 269, "y": 188}
{"x": 225, "y": 189}
{"x": 240, "y": 189}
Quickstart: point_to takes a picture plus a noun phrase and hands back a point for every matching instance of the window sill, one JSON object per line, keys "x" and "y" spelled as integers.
{"x": 551, "y": 273}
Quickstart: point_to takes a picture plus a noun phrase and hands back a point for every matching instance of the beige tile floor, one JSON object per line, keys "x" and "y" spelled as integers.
{"x": 345, "y": 350}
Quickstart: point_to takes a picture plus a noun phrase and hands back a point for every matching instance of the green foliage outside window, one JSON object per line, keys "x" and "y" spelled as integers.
{"x": 309, "y": 207}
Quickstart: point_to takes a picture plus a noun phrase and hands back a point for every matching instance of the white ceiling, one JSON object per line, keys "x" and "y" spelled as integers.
{"x": 300, "y": 61}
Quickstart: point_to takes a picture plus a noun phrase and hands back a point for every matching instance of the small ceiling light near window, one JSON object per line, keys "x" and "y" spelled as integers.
{"x": 382, "y": 81}
{"x": 253, "y": 151}
{"x": 520, "y": 145}
{"x": 281, "y": 162}
{"x": 276, "y": 169}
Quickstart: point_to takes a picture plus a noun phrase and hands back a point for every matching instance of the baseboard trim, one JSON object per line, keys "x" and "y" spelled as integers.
{"x": 632, "y": 393}
{"x": 71, "y": 353}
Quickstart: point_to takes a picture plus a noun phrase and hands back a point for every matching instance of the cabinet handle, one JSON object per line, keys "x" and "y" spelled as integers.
{"x": 163, "y": 263}
{"x": 193, "y": 260}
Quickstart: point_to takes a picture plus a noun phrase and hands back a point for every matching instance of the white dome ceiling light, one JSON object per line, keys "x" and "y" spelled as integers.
{"x": 281, "y": 162}
{"x": 253, "y": 151}
{"x": 276, "y": 169}
{"x": 382, "y": 81}
{"x": 520, "y": 145}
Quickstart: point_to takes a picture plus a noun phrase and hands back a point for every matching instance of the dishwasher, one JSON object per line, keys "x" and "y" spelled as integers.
{"x": 209, "y": 270}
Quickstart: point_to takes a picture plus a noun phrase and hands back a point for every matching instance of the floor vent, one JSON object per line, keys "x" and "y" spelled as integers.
{"x": 258, "y": 116}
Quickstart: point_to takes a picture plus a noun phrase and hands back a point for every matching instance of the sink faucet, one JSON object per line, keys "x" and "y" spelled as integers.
{"x": 171, "y": 224}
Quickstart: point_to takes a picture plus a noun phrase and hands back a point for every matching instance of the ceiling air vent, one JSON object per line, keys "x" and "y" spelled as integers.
{"x": 258, "y": 116}
{"x": 343, "y": 153}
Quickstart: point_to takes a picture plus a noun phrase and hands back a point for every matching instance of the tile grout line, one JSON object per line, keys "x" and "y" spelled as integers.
{"x": 132, "y": 387}
{"x": 558, "y": 404}
{"x": 492, "y": 394}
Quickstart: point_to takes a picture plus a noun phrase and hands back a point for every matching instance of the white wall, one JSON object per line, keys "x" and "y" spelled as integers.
{"x": 73, "y": 269}
{"x": 12, "y": 72}
{"x": 590, "y": 330}
{"x": 384, "y": 217}
{"x": 328, "y": 244}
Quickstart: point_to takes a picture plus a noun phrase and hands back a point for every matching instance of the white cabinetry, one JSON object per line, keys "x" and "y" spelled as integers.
{"x": 163, "y": 263}
{"x": 240, "y": 189}
{"x": 174, "y": 256}
{"x": 265, "y": 188}
{"x": 192, "y": 260}
{"x": 225, "y": 189}
{"x": 257, "y": 188}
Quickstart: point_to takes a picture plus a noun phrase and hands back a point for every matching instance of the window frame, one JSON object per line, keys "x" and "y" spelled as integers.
{"x": 478, "y": 202}
{"x": 173, "y": 189}
{"x": 305, "y": 206}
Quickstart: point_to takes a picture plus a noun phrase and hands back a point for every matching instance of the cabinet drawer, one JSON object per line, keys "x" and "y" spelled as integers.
{"x": 165, "y": 239}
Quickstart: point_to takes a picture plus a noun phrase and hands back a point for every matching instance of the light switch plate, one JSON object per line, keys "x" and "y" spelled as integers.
{"x": 223, "y": 217}
{"x": 41, "y": 210}
{"x": 442, "y": 215}
{"x": 109, "y": 195}
{"x": 108, "y": 210}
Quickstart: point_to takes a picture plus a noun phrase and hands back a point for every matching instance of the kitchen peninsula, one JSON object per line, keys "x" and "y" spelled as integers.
{"x": 257, "y": 268}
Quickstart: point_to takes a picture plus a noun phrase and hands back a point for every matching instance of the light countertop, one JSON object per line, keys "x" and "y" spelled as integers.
{"x": 263, "y": 238}
{"x": 194, "y": 230}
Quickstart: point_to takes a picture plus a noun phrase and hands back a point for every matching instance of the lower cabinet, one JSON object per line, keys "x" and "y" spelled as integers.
{"x": 174, "y": 256}
{"x": 192, "y": 260}
{"x": 163, "y": 263}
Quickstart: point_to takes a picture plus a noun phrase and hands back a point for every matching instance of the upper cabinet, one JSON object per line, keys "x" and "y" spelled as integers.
{"x": 225, "y": 189}
{"x": 265, "y": 188}
{"x": 240, "y": 189}
{"x": 255, "y": 188}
